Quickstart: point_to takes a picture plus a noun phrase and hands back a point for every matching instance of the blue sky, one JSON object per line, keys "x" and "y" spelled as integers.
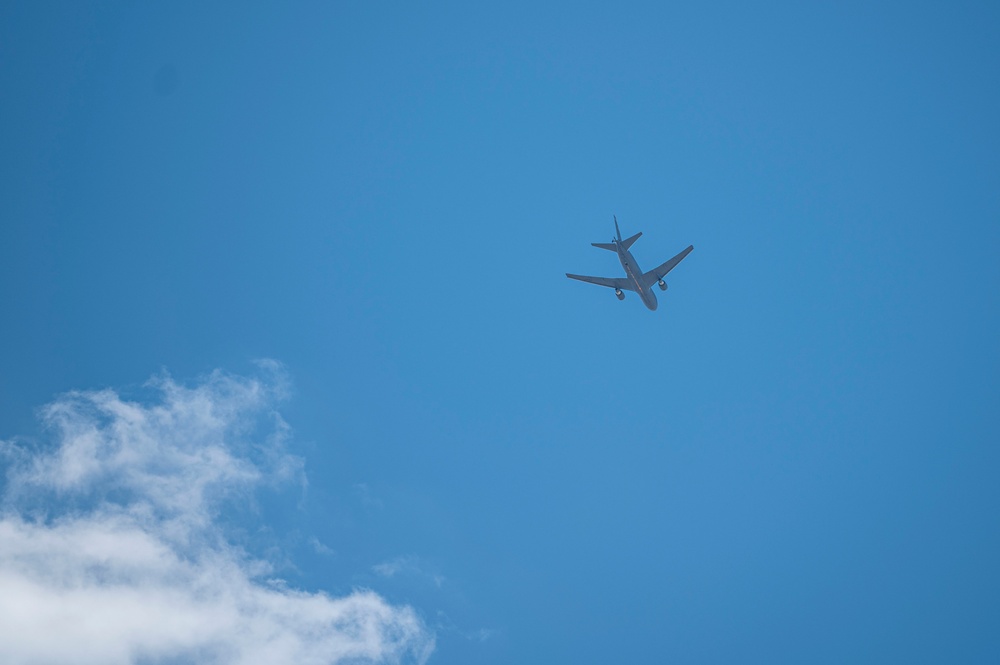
{"x": 793, "y": 459}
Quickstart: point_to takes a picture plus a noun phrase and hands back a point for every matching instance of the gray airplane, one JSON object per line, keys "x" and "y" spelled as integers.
{"x": 635, "y": 279}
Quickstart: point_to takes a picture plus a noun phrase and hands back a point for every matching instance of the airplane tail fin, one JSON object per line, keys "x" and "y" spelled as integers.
{"x": 611, "y": 246}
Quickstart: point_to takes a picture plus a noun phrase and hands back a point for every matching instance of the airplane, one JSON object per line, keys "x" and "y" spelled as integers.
{"x": 635, "y": 279}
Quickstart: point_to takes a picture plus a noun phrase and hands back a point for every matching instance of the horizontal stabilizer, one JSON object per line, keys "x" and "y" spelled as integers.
{"x": 628, "y": 241}
{"x": 605, "y": 245}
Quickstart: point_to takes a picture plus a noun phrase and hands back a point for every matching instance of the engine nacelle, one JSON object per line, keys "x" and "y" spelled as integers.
{"x": 620, "y": 294}
{"x": 662, "y": 285}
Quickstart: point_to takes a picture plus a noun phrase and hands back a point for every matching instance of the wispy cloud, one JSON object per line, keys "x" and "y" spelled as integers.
{"x": 112, "y": 550}
{"x": 368, "y": 498}
{"x": 409, "y": 565}
{"x": 320, "y": 548}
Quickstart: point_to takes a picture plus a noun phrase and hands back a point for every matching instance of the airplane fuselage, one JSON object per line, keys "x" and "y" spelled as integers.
{"x": 634, "y": 275}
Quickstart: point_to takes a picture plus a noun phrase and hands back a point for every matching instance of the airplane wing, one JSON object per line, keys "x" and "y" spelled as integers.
{"x": 656, "y": 274}
{"x": 613, "y": 282}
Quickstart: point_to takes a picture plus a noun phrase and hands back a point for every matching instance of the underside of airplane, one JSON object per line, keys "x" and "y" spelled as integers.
{"x": 634, "y": 280}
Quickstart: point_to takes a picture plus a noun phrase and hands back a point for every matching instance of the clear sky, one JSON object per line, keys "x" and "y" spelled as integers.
{"x": 359, "y": 217}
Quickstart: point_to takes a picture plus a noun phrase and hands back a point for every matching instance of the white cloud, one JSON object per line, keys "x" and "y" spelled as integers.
{"x": 409, "y": 565}
{"x": 392, "y": 567}
{"x": 320, "y": 548}
{"x": 111, "y": 550}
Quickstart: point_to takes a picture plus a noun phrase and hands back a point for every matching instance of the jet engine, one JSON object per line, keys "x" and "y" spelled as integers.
{"x": 662, "y": 285}
{"x": 620, "y": 294}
